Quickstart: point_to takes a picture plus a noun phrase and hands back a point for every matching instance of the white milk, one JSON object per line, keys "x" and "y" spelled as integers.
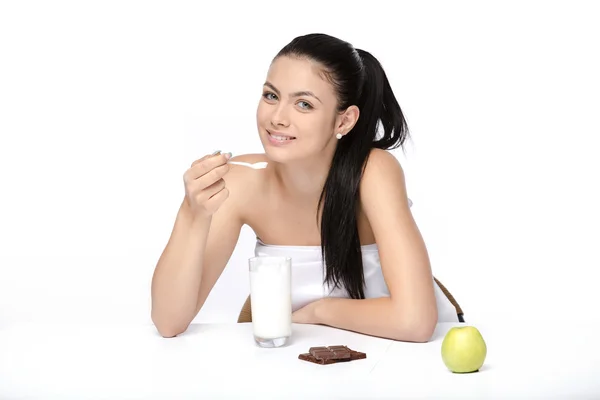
{"x": 271, "y": 301}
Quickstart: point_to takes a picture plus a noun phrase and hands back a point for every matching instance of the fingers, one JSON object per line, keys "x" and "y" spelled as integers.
{"x": 212, "y": 176}
{"x": 204, "y": 184}
{"x": 205, "y": 165}
{"x": 217, "y": 200}
{"x": 205, "y": 157}
{"x": 208, "y": 165}
{"x": 211, "y": 191}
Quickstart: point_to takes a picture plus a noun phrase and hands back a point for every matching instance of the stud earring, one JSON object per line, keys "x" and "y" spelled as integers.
{"x": 339, "y": 136}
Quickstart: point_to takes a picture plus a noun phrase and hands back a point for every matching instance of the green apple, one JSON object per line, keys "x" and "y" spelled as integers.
{"x": 463, "y": 349}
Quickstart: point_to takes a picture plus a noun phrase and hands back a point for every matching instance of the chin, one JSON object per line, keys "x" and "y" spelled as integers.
{"x": 281, "y": 154}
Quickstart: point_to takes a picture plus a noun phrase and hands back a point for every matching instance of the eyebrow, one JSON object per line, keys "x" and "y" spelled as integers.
{"x": 295, "y": 94}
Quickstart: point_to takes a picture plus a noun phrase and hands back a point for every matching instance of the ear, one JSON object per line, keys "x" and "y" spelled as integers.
{"x": 346, "y": 120}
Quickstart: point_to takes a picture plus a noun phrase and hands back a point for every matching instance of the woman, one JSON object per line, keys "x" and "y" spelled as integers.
{"x": 330, "y": 185}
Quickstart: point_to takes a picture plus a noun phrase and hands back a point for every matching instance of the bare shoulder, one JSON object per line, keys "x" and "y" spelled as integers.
{"x": 240, "y": 178}
{"x": 384, "y": 169}
{"x": 385, "y": 204}
{"x": 383, "y": 182}
{"x": 244, "y": 184}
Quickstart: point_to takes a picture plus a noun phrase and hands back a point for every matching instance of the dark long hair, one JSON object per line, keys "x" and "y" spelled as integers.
{"x": 358, "y": 79}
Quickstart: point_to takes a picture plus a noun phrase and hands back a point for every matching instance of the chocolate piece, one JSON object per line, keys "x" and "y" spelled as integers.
{"x": 331, "y": 355}
{"x": 341, "y": 352}
{"x": 321, "y": 353}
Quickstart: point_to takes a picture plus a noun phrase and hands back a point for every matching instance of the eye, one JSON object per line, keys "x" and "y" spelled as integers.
{"x": 270, "y": 96}
{"x": 305, "y": 105}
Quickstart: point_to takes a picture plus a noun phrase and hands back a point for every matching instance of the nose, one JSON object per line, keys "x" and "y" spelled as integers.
{"x": 279, "y": 116}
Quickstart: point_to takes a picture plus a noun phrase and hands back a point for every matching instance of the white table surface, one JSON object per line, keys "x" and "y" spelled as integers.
{"x": 41, "y": 361}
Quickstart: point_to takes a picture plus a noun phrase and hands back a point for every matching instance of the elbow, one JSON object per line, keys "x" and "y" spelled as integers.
{"x": 418, "y": 329}
{"x": 422, "y": 333}
{"x": 169, "y": 331}
{"x": 168, "y": 328}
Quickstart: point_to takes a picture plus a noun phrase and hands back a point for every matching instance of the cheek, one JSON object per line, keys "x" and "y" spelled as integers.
{"x": 259, "y": 111}
{"x": 317, "y": 126}
{"x": 262, "y": 112}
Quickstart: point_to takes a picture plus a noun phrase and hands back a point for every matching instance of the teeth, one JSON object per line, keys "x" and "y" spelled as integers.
{"x": 281, "y": 137}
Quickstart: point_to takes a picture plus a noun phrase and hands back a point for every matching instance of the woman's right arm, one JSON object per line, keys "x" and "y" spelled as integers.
{"x": 203, "y": 238}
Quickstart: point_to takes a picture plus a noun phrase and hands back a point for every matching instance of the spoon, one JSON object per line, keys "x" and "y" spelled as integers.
{"x": 258, "y": 165}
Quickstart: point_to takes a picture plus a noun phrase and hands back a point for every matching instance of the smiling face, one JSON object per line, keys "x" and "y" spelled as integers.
{"x": 297, "y": 114}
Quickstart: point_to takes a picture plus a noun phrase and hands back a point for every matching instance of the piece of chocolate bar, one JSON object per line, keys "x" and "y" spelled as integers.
{"x": 331, "y": 354}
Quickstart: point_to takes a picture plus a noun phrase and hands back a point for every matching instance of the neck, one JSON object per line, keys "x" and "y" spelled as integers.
{"x": 303, "y": 180}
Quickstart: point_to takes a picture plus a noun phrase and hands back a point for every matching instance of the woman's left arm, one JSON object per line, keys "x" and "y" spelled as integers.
{"x": 410, "y": 313}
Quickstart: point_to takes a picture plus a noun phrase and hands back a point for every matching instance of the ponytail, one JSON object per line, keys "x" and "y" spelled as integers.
{"x": 340, "y": 242}
{"x": 379, "y": 102}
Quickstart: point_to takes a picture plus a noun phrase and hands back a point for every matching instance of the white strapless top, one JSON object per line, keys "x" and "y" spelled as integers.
{"x": 308, "y": 276}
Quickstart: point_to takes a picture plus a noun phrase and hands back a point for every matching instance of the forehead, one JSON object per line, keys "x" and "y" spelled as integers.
{"x": 290, "y": 74}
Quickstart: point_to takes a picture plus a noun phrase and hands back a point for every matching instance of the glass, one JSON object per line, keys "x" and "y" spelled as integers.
{"x": 271, "y": 300}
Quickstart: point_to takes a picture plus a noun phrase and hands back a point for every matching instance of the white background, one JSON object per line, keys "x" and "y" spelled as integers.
{"x": 103, "y": 105}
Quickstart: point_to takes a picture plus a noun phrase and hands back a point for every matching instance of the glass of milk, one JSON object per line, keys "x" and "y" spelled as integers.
{"x": 271, "y": 300}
